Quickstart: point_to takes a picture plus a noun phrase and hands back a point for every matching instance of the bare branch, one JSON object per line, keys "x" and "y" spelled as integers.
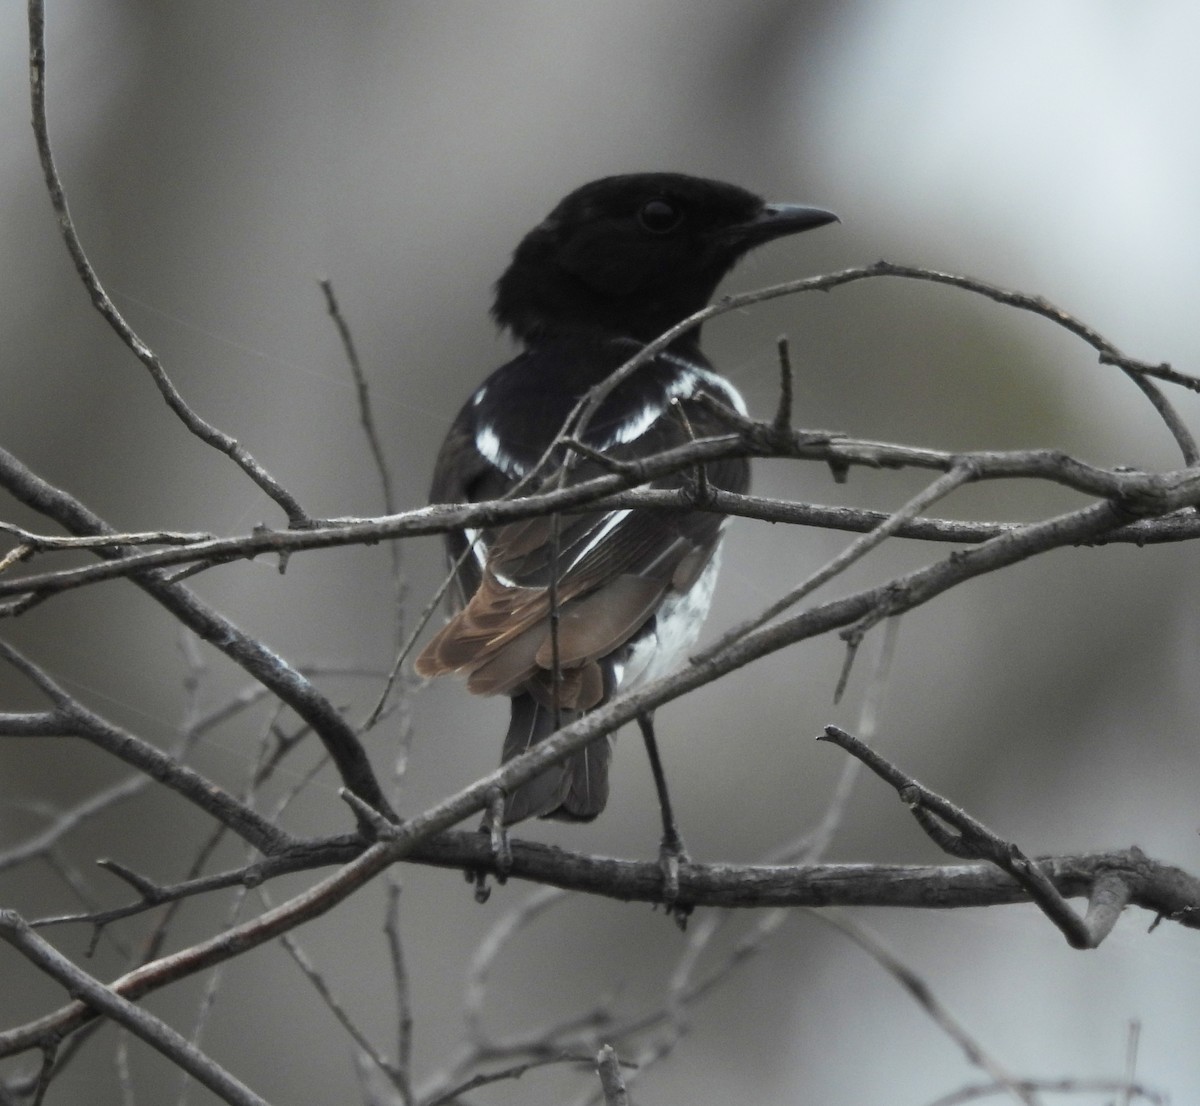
{"x": 207, "y": 433}
{"x": 929, "y": 1002}
{"x": 943, "y": 486}
{"x": 365, "y": 413}
{"x": 404, "y": 1012}
{"x": 1131, "y": 1055}
{"x": 31, "y": 543}
{"x": 374, "y": 444}
{"x": 976, "y": 1091}
{"x": 106, "y": 1001}
{"x": 52, "y": 724}
{"x": 580, "y": 416}
{"x": 1140, "y": 494}
{"x": 1109, "y": 894}
{"x": 1174, "y": 422}
{"x": 1167, "y": 892}
{"x": 782, "y": 423}
{"x": 608, "y": 1067}
{"x": 409, "y": 643}
{"x": 77, "y": 721}
{"x": 1122, "y": 506}
{"x": 261, "y": 663}
{"x": 486, "y": 954}
{"x": 319, "y": 983}
{"x": 515, "y": 1071}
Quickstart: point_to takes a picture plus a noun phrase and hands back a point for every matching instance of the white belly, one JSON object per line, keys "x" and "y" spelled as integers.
{"x": 677, "y": 627}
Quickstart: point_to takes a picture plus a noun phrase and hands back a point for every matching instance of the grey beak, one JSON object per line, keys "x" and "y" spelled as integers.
{"x": 778, "y": 220}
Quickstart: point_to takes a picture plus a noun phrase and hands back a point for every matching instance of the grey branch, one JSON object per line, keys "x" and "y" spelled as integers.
{"x": 102, "y": 999}
{"x": 1142, "y": 495}
{"x": 1165, "y": 891}
{"x": 71, "y": 718}
{"x": 103, "y": 303}
{"x": 971, "y": 838}
{"x": 263, "y": 664}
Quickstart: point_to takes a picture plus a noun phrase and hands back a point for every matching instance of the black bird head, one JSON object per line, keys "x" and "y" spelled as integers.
{"x": 634, "y": 255}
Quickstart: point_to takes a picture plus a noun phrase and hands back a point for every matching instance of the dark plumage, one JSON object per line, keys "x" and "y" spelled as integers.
{"x": 615, "y": 264}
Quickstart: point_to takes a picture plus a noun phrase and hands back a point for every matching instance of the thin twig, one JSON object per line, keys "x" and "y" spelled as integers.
{"x": 943, "y": 486}
{"x": 104, "y": 1000}
{"x": 822, "y": 835}
{"x": 609, "y": 464}
{"x": 929, "y": 1002}
{"x": 552, "y": 597}
{"x": 42, "y": 543}
{"x": 332, "y": 1003}
{"x": 580, "y": 416}
{"x": 515, "y": 1071}
{"x": 782, "y": 423}
{"x": 103, "y": 303}
{"x": 702, "y": 489}
{"x": 79, "y": 721}
{"x": 488, "y": 951}
{"x": 1131, "y": 1056}
{"x": 365, "y": 413}
{"x": 684, "y": 990}
{"x": 374, "y": 443}
{"x": 973, "y": 839}
{"x": 270, "y": 756}
{"x": 1166, "y": 411}
{"x": 406, "y": 648}
{"x": 976, "y": 1091}
{"x": 400, "y": 979}
{"x": 608, "y": 1068}
{"x": 255, "y": 658}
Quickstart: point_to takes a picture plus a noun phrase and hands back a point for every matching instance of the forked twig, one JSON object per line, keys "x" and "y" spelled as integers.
{"x": 971, "y": 839}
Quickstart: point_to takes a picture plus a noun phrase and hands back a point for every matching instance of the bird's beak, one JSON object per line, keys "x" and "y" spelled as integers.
{"x": 778, "y": 220}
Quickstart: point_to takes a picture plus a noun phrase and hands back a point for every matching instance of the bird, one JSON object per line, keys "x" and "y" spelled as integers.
{"x": 615, "y": 264}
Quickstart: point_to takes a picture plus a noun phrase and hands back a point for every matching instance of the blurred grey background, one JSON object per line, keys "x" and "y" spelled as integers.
{"x": 221, "y": 158}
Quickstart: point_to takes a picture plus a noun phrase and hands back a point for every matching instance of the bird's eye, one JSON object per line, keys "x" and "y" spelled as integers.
{"x": 660, "y": 216}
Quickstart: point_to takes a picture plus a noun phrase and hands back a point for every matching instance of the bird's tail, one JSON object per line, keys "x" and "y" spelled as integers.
{"x": 574, "y": 791}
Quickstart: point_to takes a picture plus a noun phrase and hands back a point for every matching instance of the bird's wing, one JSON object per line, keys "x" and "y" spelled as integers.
{"x": 610, "y": 571}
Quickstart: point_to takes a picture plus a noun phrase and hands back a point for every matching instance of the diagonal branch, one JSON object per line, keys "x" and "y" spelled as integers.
{"x": 943, "y": 486}
{"x": 75, "y": 720}
{"x": 106, "y": 1001}
{"x": 920, "y": 991}
{"x": 972, "y": 839}
{"x": 260, "y": 662}
{"x": 580, "y": 416}
{"x": 103, "y": 303}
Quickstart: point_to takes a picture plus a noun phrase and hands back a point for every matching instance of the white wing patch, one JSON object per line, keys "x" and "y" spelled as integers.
{"x": 478, "y": 550}
{"x": 684, "y": 386}
{"x": 710, "y": 379}
{"x": 488, "y": 444}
